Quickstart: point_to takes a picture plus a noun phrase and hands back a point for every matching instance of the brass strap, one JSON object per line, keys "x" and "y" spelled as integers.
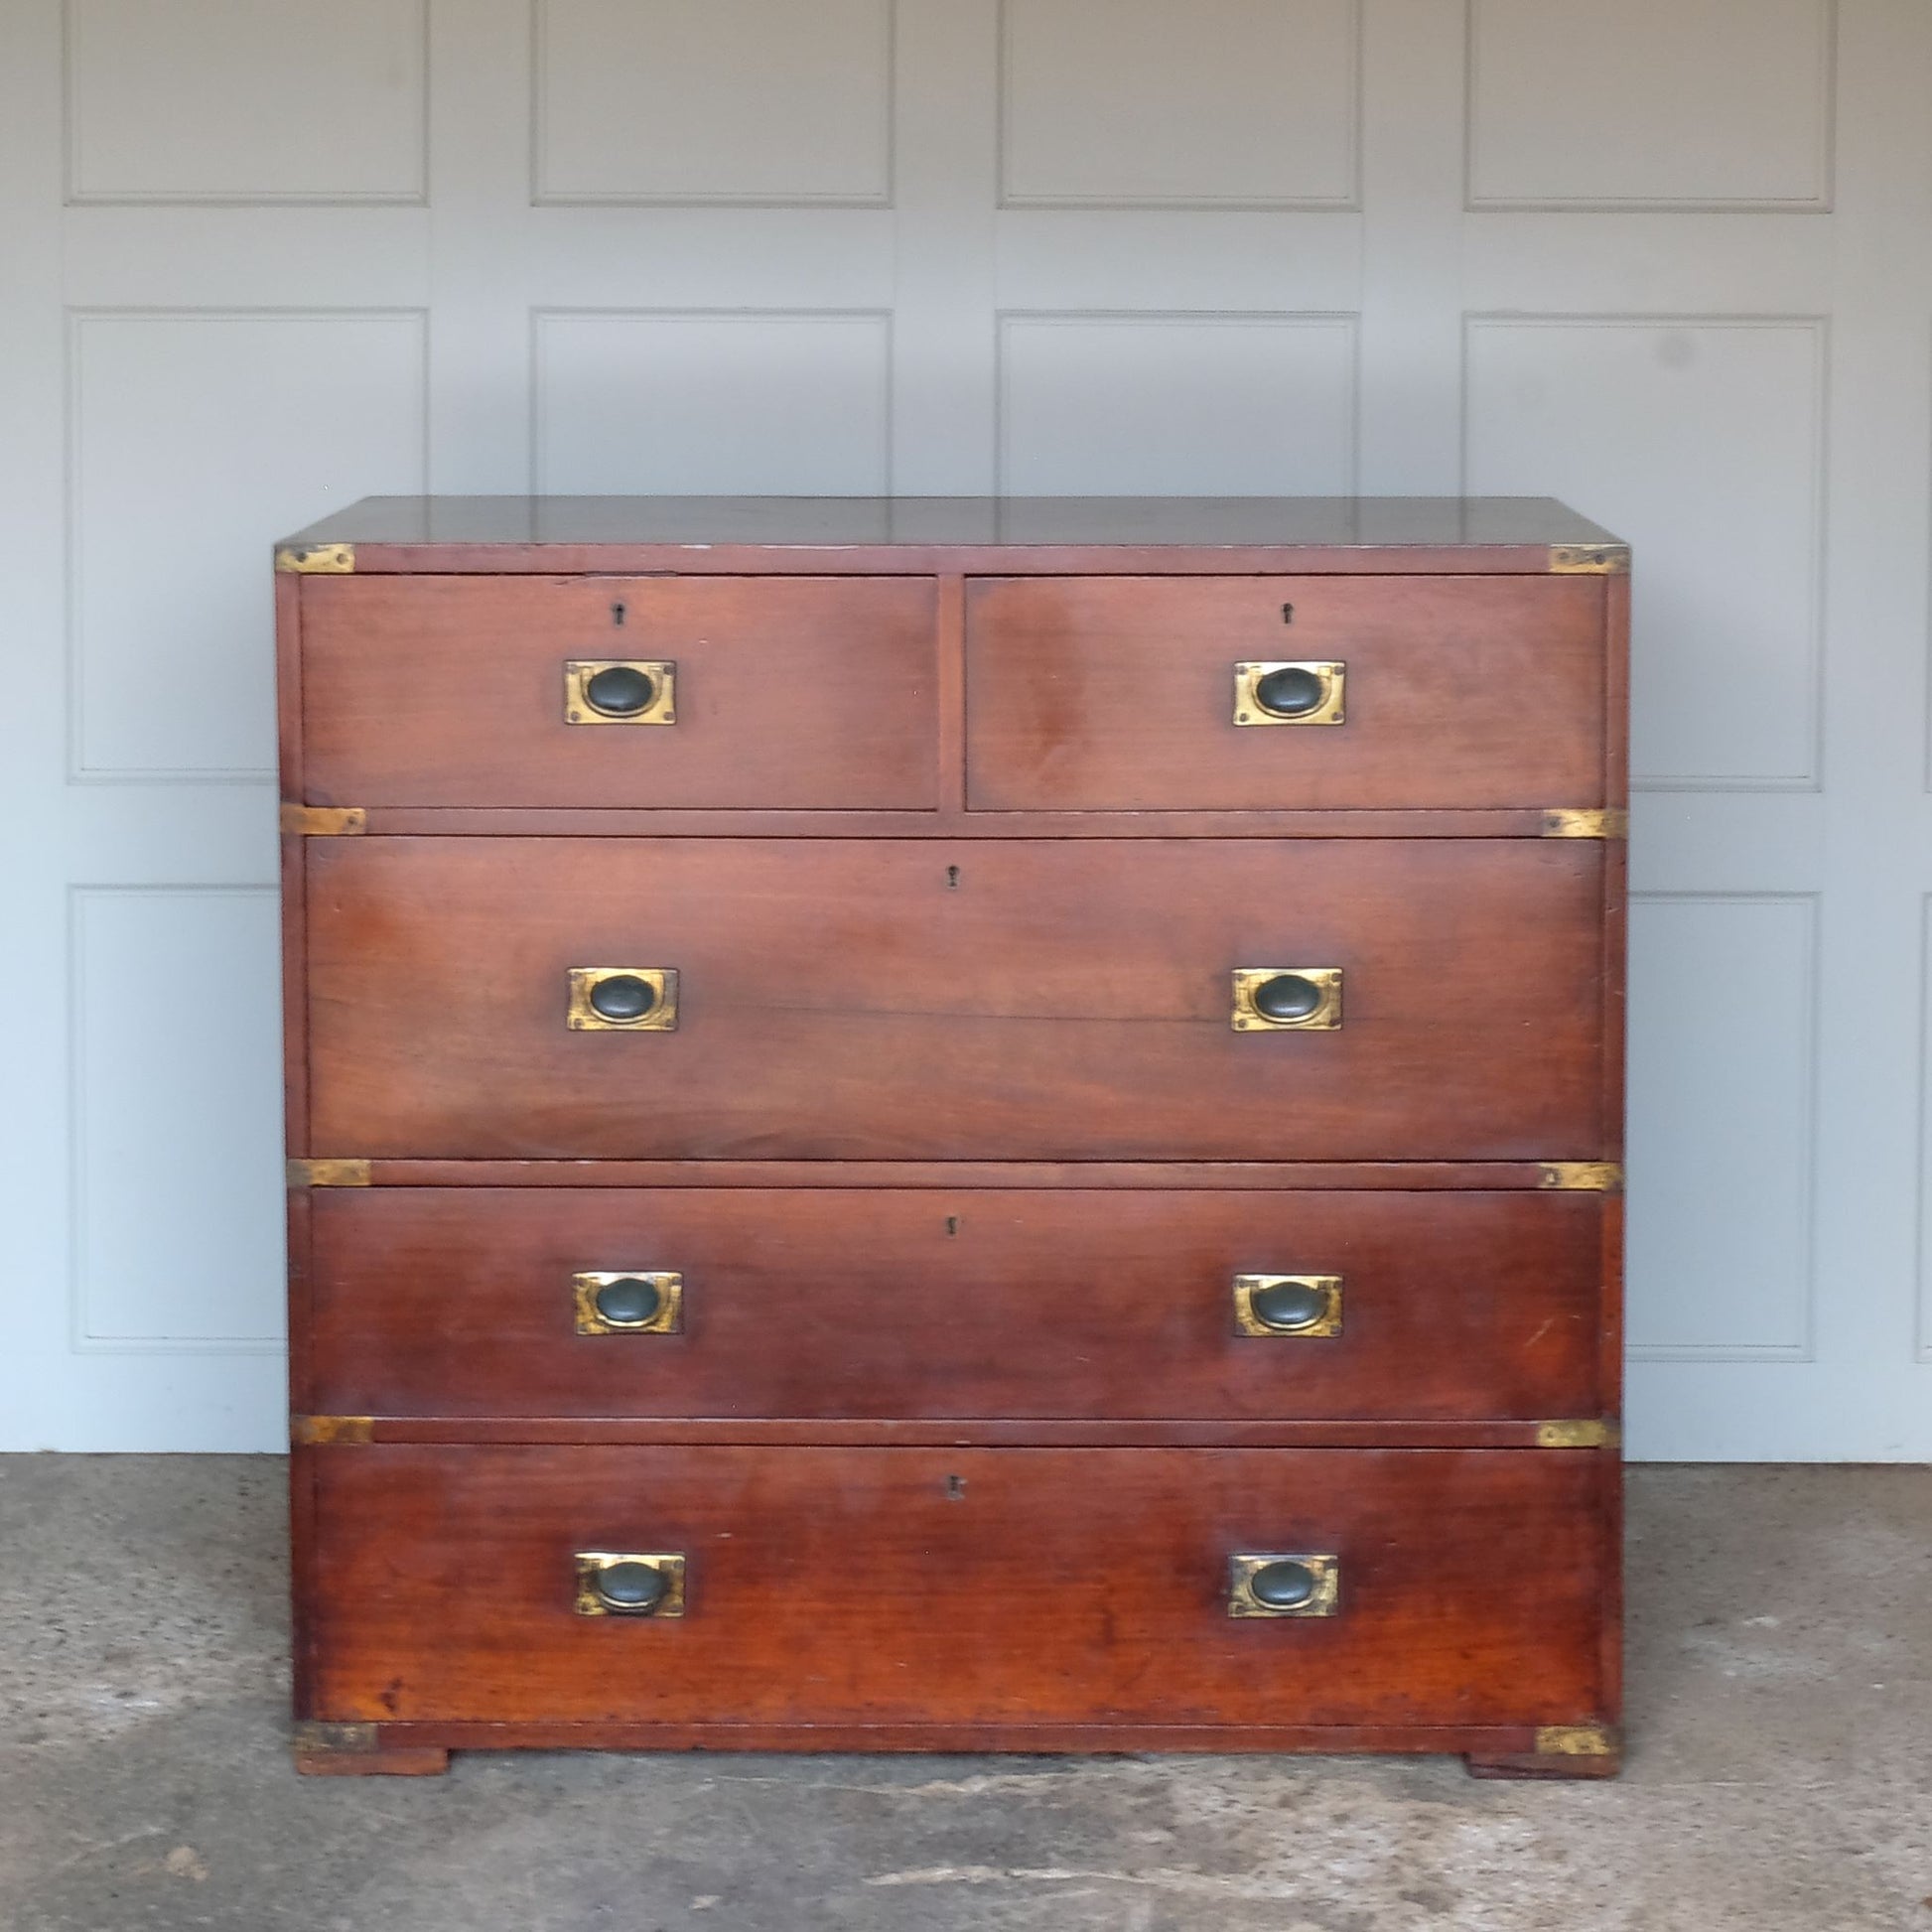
{"x": 1585, "y": 1432}
{"x": 1591, "y": 822}
{"x": 1581, "y": 1176}
{"x": 322, "y": 1432}
{"x": 328, "y": 1173}
{"x": 325, "y": 822}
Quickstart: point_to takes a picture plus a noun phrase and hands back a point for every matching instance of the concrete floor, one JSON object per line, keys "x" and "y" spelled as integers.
{"x": 1780, "y": 1778}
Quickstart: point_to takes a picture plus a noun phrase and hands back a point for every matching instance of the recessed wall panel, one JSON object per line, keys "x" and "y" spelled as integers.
{"x": 1723, "y": 1052}
{"x": 1247, "y": 405}
{"x": 1924, "y": 1336}
{"x": 714, "y": 100}
{"x": 1237, "y": 104}
{"x": 1701, "y": 440}
{"x": 713, "y": 405}
{"x": 274, "y": 100}
{"x": 1652, "y": 103}
{"x": 176, "y": 1057}
{"x": 195, "y": 440}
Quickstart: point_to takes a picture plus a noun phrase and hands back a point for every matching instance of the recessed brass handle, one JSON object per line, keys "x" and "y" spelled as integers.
{"x": 622, "y": 999}
{"x": 620, "y": 691}
{"x": 1300, "y": 1305}
{"x": 1293, "y": 1583}
{"x": 1305, "y": 691}
{"x": 634, "y": 1301}
{"x": 613, "y": 1582}
{"x": 1303, "y": 999}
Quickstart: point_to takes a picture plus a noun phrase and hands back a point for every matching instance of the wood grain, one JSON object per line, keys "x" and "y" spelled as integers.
{"x": 955, "y": 845}
{"x": 848, "y": 1303}
{"x": 1117, "y": 693}
{"x": 447, "y": 691}
{"x": 958, "y": 1587}
{"x": 956, "y": 1000}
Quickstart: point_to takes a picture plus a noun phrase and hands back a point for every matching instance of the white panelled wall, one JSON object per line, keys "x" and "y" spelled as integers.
{"x": 1671, "y": 261}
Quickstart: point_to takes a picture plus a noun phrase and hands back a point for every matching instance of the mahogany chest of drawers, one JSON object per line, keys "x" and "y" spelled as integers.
{"x": 956, "y": 1125}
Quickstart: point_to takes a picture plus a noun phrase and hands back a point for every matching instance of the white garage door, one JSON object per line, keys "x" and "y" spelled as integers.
{"x": 1668, "y": 260}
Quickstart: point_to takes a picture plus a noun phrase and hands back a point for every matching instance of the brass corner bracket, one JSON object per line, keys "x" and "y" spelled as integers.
{"x": 323, "y": 1432}
{"x": 1590, "y": 559}
{"x": 1581, "y": 1431}
{"x": 1577, "y": 1740}
{"x": 325, "y": 822}
{"x": 317, "y": 558}
{"x": 1581, "y": 1176}
{"x": 328, "y": 1173}
{"x": 1588, "y": 822}
{"x": 312, "y": 1740}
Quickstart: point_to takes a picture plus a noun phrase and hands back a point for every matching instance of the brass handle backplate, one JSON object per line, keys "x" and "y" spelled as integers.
{"x": 1295, "y": 1584}
{"x": 620, "y": 691}
{"x": 622, "y": 999}
{"x": 629, "y": 1302}
{"x": 1287, "y": 998}
{"x": 614, "y": 1582}
{"x": 1307, "y": 691}
{"x": 1288, "y": 1305}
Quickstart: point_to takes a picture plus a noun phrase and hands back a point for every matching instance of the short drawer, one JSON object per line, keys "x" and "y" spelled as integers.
{"x": 999, "y": 999}
{"x": 776, "y": 692}
{"x": 948, "y": 1585}
{"x": 1125, "y": 693}
{"x": 866, "y": 1304}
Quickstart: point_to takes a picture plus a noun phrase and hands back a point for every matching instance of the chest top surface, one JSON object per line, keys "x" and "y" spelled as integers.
{"x": 1327, "y": 535}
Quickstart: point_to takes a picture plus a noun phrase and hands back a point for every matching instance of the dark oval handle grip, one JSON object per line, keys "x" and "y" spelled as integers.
{"x": 1283, "y": 1585}
{"x": 623, "y": 996}
{"x": 1291, "y": 692}
{"x": 621, "y": 690}
{"x": 1289, "y": 1306}
{"x": 1287, "y": 996}
{"x": 628, "y": 1303}
{"x": 637, "y": 1588}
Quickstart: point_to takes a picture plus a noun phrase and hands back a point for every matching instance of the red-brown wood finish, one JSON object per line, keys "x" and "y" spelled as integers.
{"x": 958, "y": 1586}
{"x": 842, "y": 1304}
{"x": 956, "y": 1000}
{"x": 1118, "y": 693}
{"x": 807, "y": 693}
{"x": 1407, "y": 1176}
{"x": 954, "y": 845}
{"x": 1054, "y": 536}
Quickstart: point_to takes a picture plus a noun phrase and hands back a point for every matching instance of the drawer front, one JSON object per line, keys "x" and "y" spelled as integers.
{"x": 1119, "y": 693}
{"x": 787, "y": 692}
{"x": 862, "y": 1303}
{"x": 910, "y": 1000}
{"x": 882, "y": 1586}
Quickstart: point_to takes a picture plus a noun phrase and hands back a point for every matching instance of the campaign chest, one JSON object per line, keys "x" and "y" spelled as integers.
{"x": 955, "y": 1125}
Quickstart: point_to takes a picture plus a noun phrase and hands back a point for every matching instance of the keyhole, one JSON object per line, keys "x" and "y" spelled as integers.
{"x": 952, "y": 1223}
{"x": 617, "y": 615}
{"x": 955, "y": 1488}
{"x": 952, "y": 879}
{"x": 1288, "y": 614}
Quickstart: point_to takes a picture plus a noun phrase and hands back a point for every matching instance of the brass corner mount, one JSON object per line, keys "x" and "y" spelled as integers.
{"x": 317, "y": 558}
{"x": 1590, "y": 559}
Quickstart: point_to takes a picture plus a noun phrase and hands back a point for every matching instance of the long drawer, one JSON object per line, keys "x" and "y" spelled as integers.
{"x": 1123, "y": 692}
{"x": 868, "y": 1302}
{"x": 810, "y": 693}
{"x": 958, "y": 1585}
{"x": 957, "y": 999}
